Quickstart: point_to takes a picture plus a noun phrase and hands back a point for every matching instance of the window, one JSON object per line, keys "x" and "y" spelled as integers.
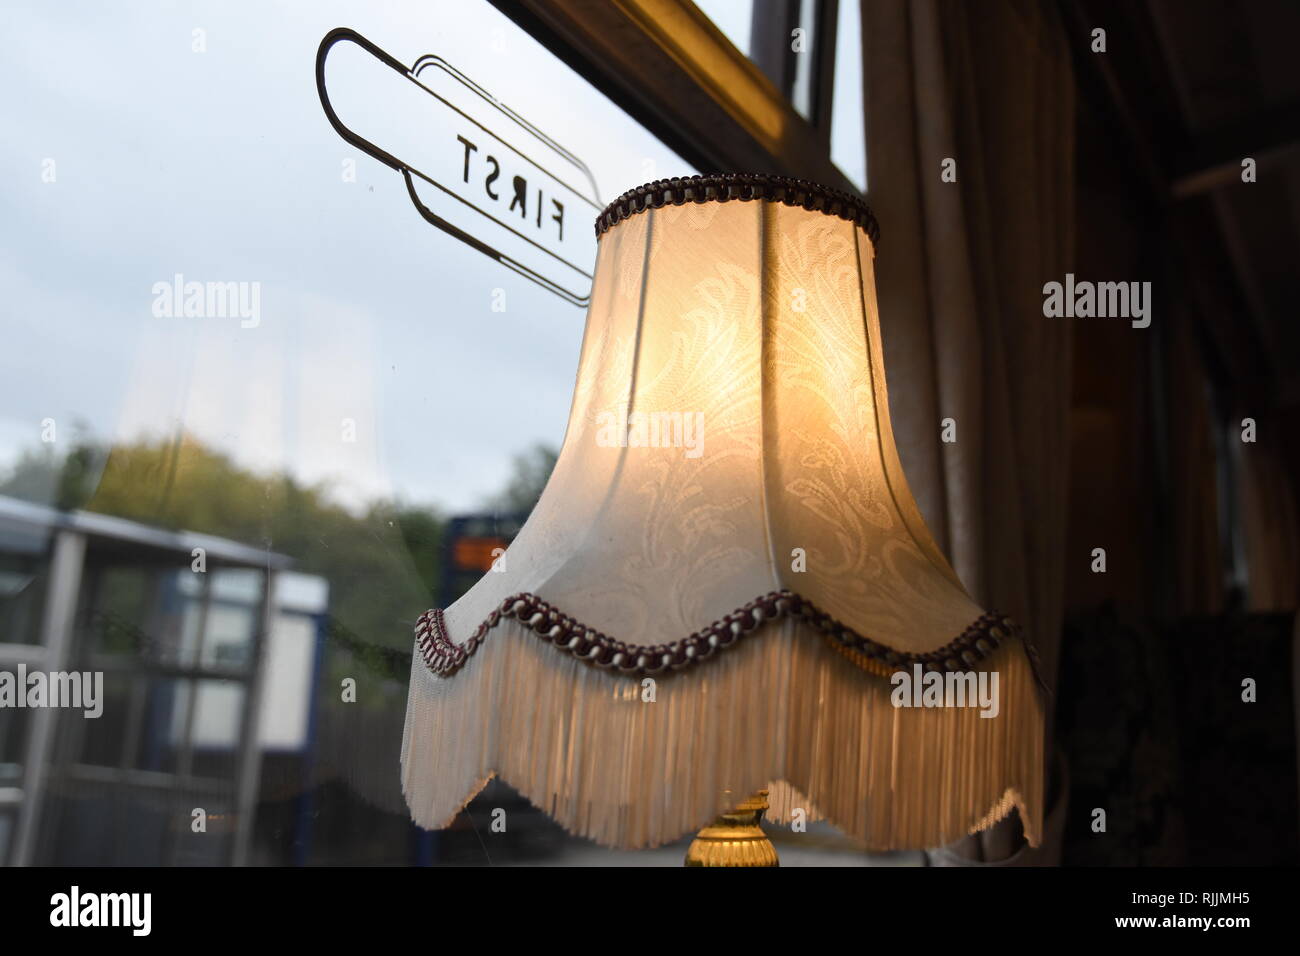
{"x": 848, "y": 117}
{"x": 332, "y": 450}
{"x": 734, "y": 18}
{"x": 811, "y": 51}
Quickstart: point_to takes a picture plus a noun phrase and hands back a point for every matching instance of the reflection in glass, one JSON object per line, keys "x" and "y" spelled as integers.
{"x": 13, "y": 743}
{"x": 104, "y": 741}
{"x": 23, "y": 577}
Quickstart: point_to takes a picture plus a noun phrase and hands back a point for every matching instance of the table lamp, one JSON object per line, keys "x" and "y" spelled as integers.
{"x": 726, "y": 586}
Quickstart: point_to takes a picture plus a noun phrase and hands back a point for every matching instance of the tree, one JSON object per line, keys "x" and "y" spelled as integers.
{"x": 531, "y": 470}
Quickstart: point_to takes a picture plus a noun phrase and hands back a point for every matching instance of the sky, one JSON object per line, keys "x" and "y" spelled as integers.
{"x": 220, "y": 165}
{"x": 146, "y": 141}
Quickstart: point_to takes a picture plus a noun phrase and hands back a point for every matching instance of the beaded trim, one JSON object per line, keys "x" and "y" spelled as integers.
{"x": 723, "y": 187}
{"x": 444, "y": 657}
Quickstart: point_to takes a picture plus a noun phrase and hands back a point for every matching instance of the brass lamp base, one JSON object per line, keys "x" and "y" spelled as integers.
{"x": 735, "y": 838}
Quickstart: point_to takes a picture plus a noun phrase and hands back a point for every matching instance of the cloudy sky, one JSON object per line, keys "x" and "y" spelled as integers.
{"x": 221, "y": 166}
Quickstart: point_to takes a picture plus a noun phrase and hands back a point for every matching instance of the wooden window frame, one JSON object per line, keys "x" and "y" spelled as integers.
{"x": 674, "y": 71}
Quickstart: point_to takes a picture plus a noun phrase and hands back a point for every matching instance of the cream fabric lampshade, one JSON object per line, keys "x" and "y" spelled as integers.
{"x": 726, "y": 566}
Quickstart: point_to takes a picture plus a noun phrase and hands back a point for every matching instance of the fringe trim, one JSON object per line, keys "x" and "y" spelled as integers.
{"x": 445, "y": 657}
{"x": 633, "y": 764}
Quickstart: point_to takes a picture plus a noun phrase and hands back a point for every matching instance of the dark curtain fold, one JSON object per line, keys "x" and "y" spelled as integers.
{"x": 961, "y": 268}
{"x": 1270, "y": 519}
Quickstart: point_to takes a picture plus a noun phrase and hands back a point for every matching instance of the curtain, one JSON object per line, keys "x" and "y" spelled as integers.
{"x": 1271, "y": 525}
{"x": 961, "y": 268}
{"x": 1198, "y": 564}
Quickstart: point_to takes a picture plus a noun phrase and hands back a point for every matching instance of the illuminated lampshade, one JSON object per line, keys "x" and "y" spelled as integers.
{"x": 727, "y": 568}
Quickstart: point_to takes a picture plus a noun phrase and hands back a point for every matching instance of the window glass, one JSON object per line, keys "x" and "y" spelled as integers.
{"x": 803, "y": 81}
{"x": 13, "y": 740}
{"x": 237, "y": 585}
{"x": 24, "y": 575}
{"x": 106, "y": 740}
{"x": 765, "y": 32}
{"x": 228, "y": 640}
{"x": 382, "y": 364}
{"x": 848, "y": 133}
{"x": 161, "y": 741}
{"x": 118, "y": 615}
{"x": 216, "y": 731}
{"x": 848, "y": 140}
{"x": 6, "y": 830}
{"x": 370, "y": 380}
{"x": 369, "y": 414}
{"x": 733, "y": 17}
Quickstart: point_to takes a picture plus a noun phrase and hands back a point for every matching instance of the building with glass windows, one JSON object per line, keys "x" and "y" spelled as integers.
{"x": 209, "y": 655}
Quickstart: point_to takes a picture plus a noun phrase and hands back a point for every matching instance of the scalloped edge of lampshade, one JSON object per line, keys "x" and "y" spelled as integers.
{"x": 444, "y": 657}
{"x": 582, "y": 746}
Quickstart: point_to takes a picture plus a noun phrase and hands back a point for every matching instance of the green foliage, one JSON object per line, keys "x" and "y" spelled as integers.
{"x": 383, "y": 563}
{"x": 532, "y": 469}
